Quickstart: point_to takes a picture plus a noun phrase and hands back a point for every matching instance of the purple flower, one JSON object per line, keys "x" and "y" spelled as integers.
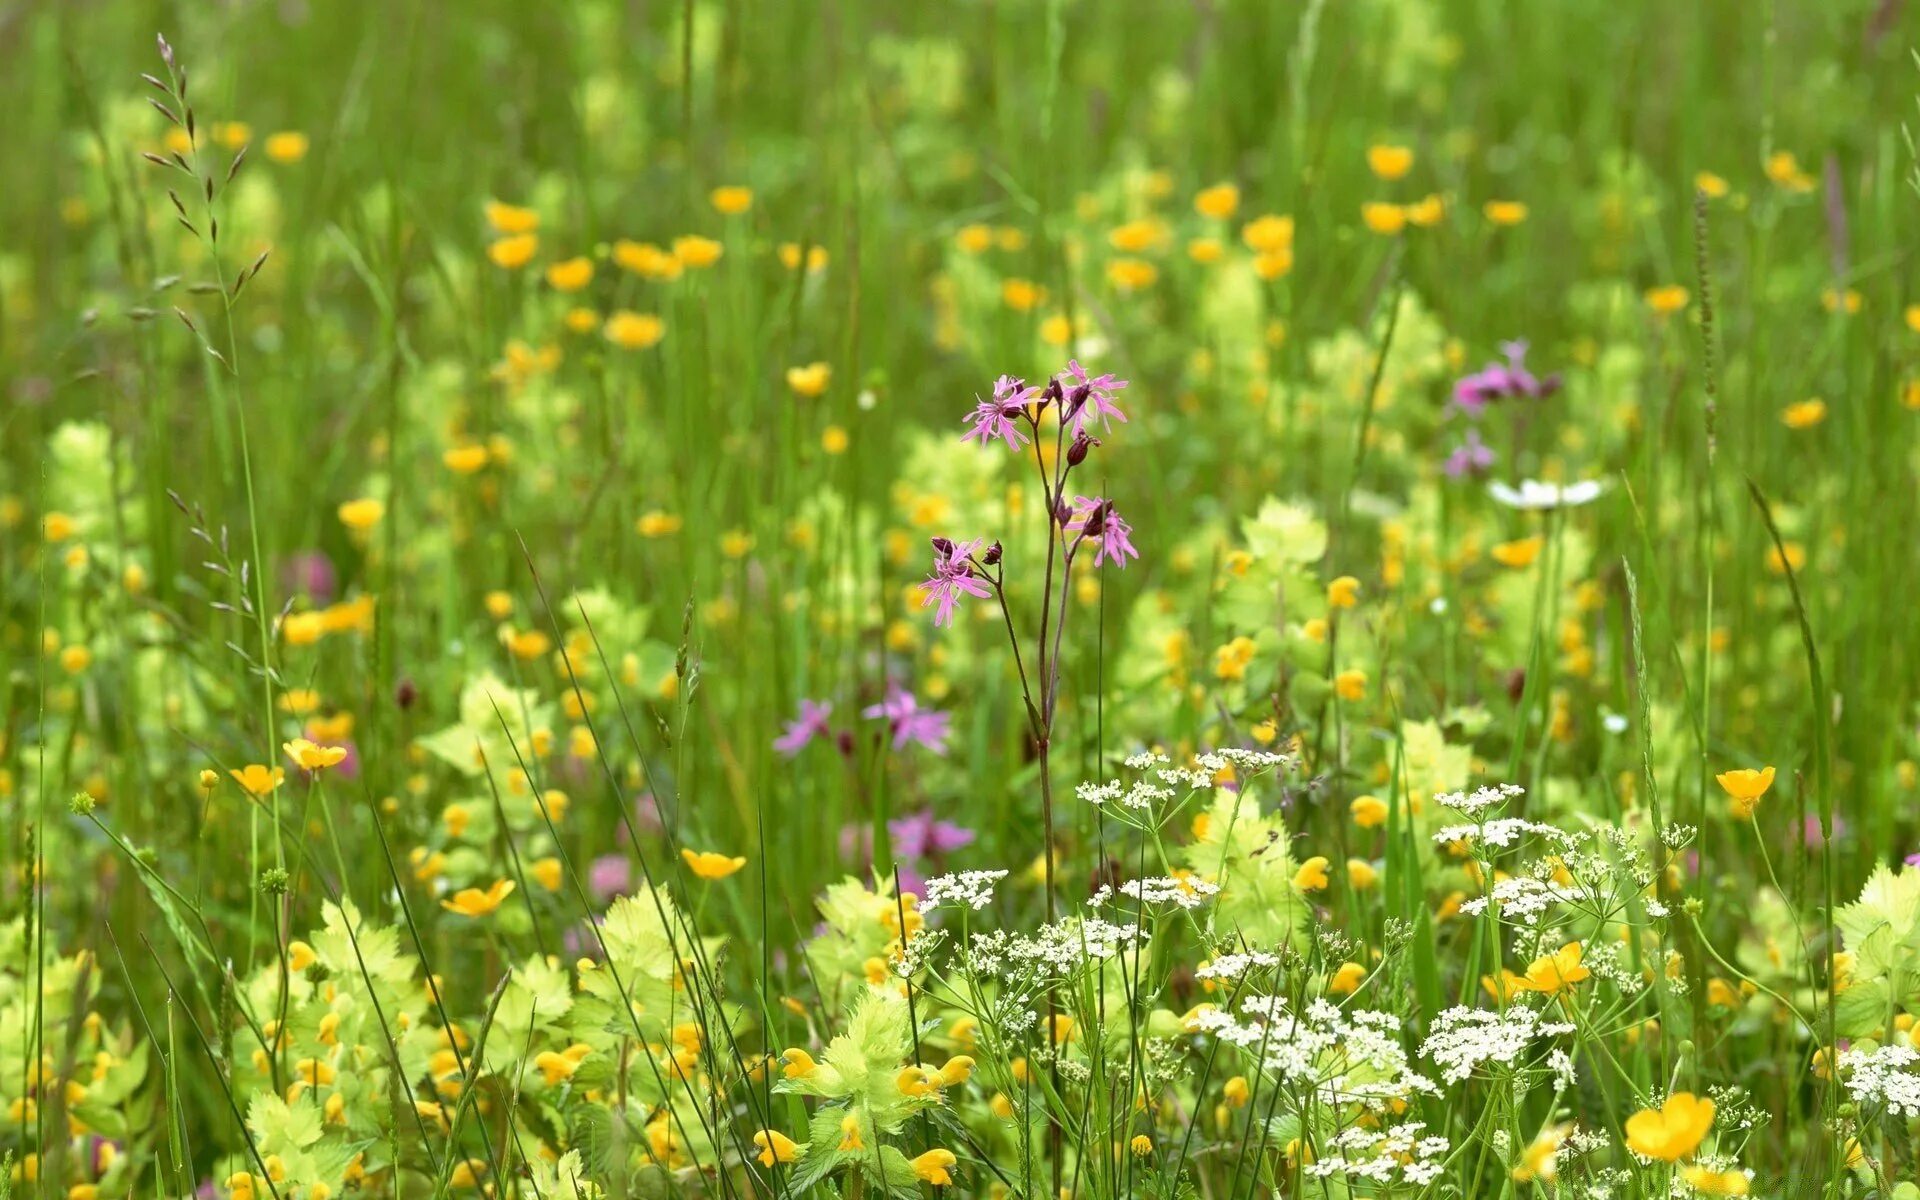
{"x": 910, "y": 723}
{"x": 998, "y": 417}
{"x": 1497, "y": 381}
{"x": 610, "y": 875}
{"x": 1471, "y": 456}
{"x": 1091, "y": 399}
{"x": 952, "y": 575}
{"x": 1112, "y": 537}
{"x": 921, "y": 836}
{"x": 811, "y": 723}
{"x": 310, "y": 573}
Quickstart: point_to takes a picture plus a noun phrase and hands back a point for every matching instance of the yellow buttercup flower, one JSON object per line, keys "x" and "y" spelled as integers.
{"x": 362, "y": 514}
{"x": 1312, "y": 875}
{"x": 657, "y": 524}
{"x": 1368, "y": 812}
{"x": 1804, "y": 414}
{"x": 1710, "y": 185}
{"x": 1505, "y": 212}
{"x": 1343, "y": 592}
{"x": 1540, "y": 1160}
{"x": 706, "y": 864}
{"x": 1131, "y": 274}
{"x": 472, "y": 902}
{"x": 570, "y": 275}
{"x": 1667, "y": 300}
{"x": 1219, "y": 201}
{"x": 258, "y": 780}
{"x": 1269, "y": 234}
{"x": 1518, "y": 553}
{"x": 289, "y": 146}
{"x": 1744, "y": 787}
{"x": 810, "y": 380}
{"x": 1389, "y": 162}
{"x": 465, "y": 459}
{"x": 1137, "y": 237}
{"x": 1427, "y": 211}
{"x": 696, "y": 252}
{"x": 1551, "y": 974}
{"x": 310, "y": 757}
{"x": 1350, "y": 685}
{"x": 1383, "y": 218}
{"x": 731, "y": 200}
{"x": 511, "y": 218}
{"x": 1347, "y": 979}
{"x": 634, "y": 331}
{"x": 515, "y": 251}
{"x": 1709, "y": 1182}
{"x": 1673, "y": 1131}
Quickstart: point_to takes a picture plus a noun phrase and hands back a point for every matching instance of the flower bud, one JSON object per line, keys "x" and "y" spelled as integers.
{"x": 992, "y": 557}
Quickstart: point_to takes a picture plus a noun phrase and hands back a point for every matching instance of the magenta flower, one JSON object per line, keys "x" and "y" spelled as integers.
{"x": 1091, "y": 399}
{"x": 998, "y": 416}
{"x": 952, "y": 575}
{"x": 921, "y": 836}
{"x": 610, "y": 875}
{"x": 909, "y": 722}
{"x": 1498, "y": 381}
{"x": 1112, "y": 537}
{"x": 1471, "y": 456}
{"x": 811, "y": 724}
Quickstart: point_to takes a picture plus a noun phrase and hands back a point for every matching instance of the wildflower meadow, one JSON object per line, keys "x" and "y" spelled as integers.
{"x": 1032, "y": 599}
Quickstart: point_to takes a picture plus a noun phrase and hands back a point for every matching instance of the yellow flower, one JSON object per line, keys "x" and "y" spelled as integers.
{"x": 289, "y": 146}
{"x": 1383, "y": 218}
{"x": 1131, "y": 274}
{"x": 957, "y": 1071}
{"x": 1426, "y": 211}
{"x": 1273, "y": 264}
{"x": 511, "y": 218}
{"x": 57, "y": 526}
{"x": 1021, "y": 295}
{"x": 1541, "y": 1159}
{"x": 1312, "y": 875}
{"x": 1219, "y": 201}
{"x": 1343, "y": 592}
{"x": 1551, "y": 974}
{"x": 1136, "y": 237}
{"x": 1369, "y": 812}
{"x": 258, "y": 780}
{"x": 1518, "y": 553}
{"x": 1230, "y": 661}
{"x": 465, "y": 459}
{"x": 775, "y": 1147}
{"x": 1835, "y": 300}
{"x": 732, "y": 200}
{"x": 362, "y": 514}
{"x": 1505, "y": 212}
{"x": 850, "y": 1133}
{"x": 974, "y": 239}
{"x": 933, "y": 1167}
{"x": 1784, "y": 169}
{"x": 1913, "y": 317}
{"x": 1347, "y": 979}
{"x": 1389, "y": 162}
{"x": 1667, "y": 300}
{"x": 736, "y": 543}
{"x": 75, "y": 659}
{"x": 1269, "y": 234}
{"x": 1236, "y": 1091}
{"x": 515, "y": 251}
{"x": 1744, "y": 787}
{"x": 1351, "y": 684}
{"x": 657, "y": 524}
{"x": 790, "y": 257}
{"x": 1710, "y": 185}
{"x": 1804, "y": 414}
{"x": 570, "y": 275}
{"x": 310, "y": 757}
{"x": 1200, "y": 250}
{"x": 547, "y": 873}
{"x": 1672, "y": 1132}
{"x": 1708, "y": 1182}
{"x": 697, "y": 252}
{"x": 811, "y": 380}
{"x": 472, "y": 902}
{"x": 1141, "y": 1145}
{"x": 708, "y": 865}
{"x": 233, "y": 134}
{"x": 1361, "y": 874}
{"x": 645, "y": 260}
{"x": 634, "y": 331}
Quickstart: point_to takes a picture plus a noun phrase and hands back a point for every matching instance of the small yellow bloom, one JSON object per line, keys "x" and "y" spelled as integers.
{"x": 775, "y": 1147}
{"x": 1667, "y": 300}
{"x": 1505, "y": 212}
{"x": 1361, "y": 874}
{"x": 1021, "y": 295}
{"x": 258, "y": 780}
{"x": 816, "y": 257}
{"x": 1141, "y": 1145}
{"x": 850, "y": 1133}
{"x": 1347, "y": 979}
{"x": 1551, "y": 974}
{"x": 731, "y": 200}
{"x": 1350, "y": 685}
{"x": 934, "y": 1167}
{"x": 1312, "y": 875}
{"x": 1427, "y": 211}
{"x": 1835, "y": 300}
{"x": 1710, "y": 185}
{"x": 1273, "y": 264}
{"x": 1269, "y": 234}
{"x": 465, "y": 459}
{"x": 1201, "y": 250}
{"x": 1368, "y": 812}
{"x": 811, "y": 380}
{"x": 1131, "y": 274}
{"x": 515, "y": 251}
{"x": 310, "y": 757}
{"x": 75, "y": 659}
{"x": 570, "y": 275}
{"x": 834, "y": 440}
{"x": 472, "y": 902}
{"x": 708, "y": 865}
{"x": 1236, "y": 1091}
{"x": 288, "y": 146}
{"x": 1343, "y": 592}
{"x": 57, "y": 526}
{"x": 1518, "y": 553}
{"x": 1220, "y": 201}
{"x": 1389, "y": 162}
{"x": 511, "y": 218}
{"x": 1672, "y": 1132}
{"x": 1383, "y": 218}
{"x": 1744, "y": 787}
{"x": 646, "y": 260}
{"x": 657, "y": 524}
{"x": 1137, "y": 237}
{"x": 1804, "y": 414}
{"x": 547, "y": 873}
{"x": 696, "y": 252}
{"x": 362, "y": 514}
{"x": 1708, "y": 1182}
{"x": 974, "y": 239}
{"x": 1784, "y": 169}
{"x": 634, "y": 331}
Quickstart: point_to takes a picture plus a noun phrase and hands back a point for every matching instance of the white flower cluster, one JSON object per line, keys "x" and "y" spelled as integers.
{"x": 1465, "y": 1040}
{"x": 1344, "y": 1057}
{"x": 974, "y": 889}
{"x": 1481, "y": 799}
{"x": 1233, "y": 966}
{"x": 1360, "y": 1152}
{"x": 1881, "y": 1077}
{"x": 1143, "y": 794}
{"x": 1503, "y": 832}
{"x": 1057, "y": 950}
{"x": 1524, "y": 899}
{"x": 1189, "y": 892}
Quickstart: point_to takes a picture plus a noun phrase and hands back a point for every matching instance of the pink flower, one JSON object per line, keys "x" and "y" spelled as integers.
{"x": 811, "y": 724}
{"x": 1090, "y": 399}
{"x": 1112, "y": 537}
{"x": 910, "y": 723}
{"x": 998, "y": 417}
{"x": 952, "y": 575}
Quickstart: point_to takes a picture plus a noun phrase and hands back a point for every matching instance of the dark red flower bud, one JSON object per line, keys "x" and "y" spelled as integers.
{"x": 992, "y": 556}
